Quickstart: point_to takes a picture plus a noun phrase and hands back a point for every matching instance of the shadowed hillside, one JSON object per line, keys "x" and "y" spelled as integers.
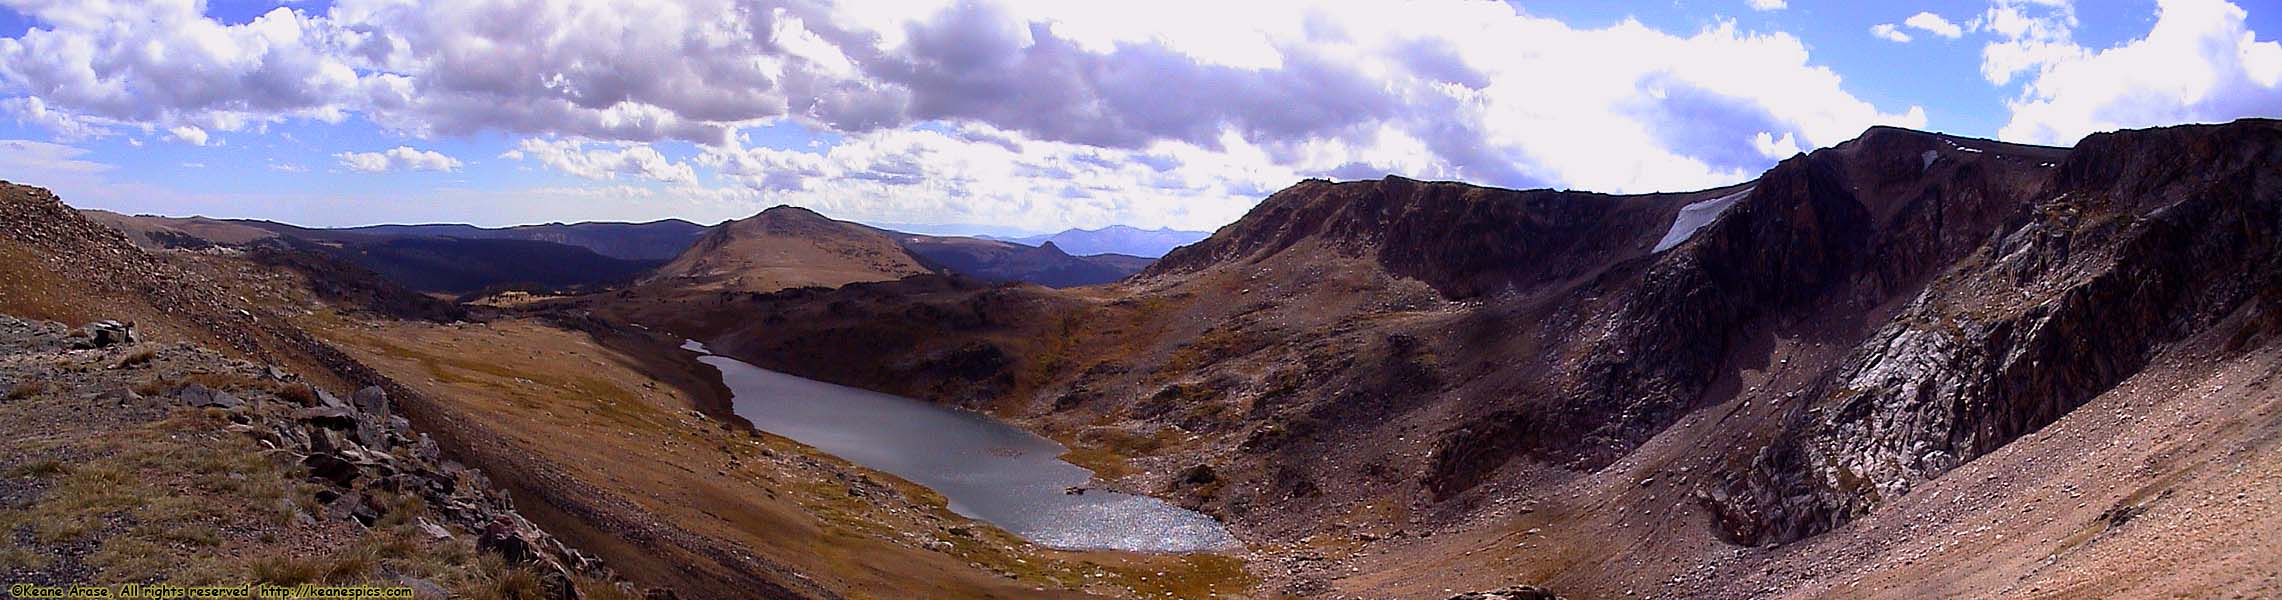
{"x": 1724, "y": 393}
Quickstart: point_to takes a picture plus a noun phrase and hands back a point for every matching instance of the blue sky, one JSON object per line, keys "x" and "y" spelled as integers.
{"x": 1031, "y": 115}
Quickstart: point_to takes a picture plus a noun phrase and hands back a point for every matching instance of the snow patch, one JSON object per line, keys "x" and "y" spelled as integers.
{"x": 1696, "y": 215}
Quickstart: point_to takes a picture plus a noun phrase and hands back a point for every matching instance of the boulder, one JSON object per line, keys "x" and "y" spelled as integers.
{"x": 110, "y": 333}
{"x": 355, "y": 506}
{"x": 372, "y": 401}
{"x": 371, "y": 435}
{"x": 328, "y": 400}
{"x": 338, "y": 419}
{"x": 332, "y": 468}
{"x": 505, "y": 538}
{"x": 199, "y": 396}
{"x": 433, "y": 530}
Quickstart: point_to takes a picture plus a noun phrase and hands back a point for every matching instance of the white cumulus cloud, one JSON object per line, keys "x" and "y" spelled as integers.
{"x": 400, "y": 158}
{"x": 2199, "y": 63}
{"x": 605, "y": 162}
{"x": 1934, "y": 24}
{"x": 188, "y": 134}
{"x": 1889, "y": 32}
{"x": 987, "y": 93}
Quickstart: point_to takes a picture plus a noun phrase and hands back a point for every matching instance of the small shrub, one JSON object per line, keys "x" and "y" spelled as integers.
{"x": 352, "y": 565}
{"x": 39, "y": 468}
{"x": 285, "y": 571}
{"x": 401, "y": 510}
{"x": 298, "y": 393}
{"x": 27, "y": 389}
{"x": 501, "y": 581}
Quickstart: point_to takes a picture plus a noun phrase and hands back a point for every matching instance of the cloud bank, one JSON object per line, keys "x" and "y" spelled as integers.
{"x": 1035, "y": 112}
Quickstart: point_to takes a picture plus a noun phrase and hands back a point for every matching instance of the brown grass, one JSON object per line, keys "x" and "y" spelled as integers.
{"x": 298, "y": 393}
{"x": 27, "y": 389}
{"x": 137, "y": 358}
{"x": 520, "y": 385}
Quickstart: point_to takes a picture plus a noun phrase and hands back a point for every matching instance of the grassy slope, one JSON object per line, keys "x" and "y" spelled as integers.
{"x": 107, "y": 481}
{"x": 533, "y": 387}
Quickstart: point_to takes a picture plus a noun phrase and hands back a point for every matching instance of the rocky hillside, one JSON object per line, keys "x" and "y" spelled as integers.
{"x": 151, "y": 231}
{"x": 665, "y": 483}
{"x": 429, "y": 258}
{"x": 2138, "y": 242}
{"x": 134, "y": 460}
{"x": 787, "y": 247}
{"x": 1735, "y": 367}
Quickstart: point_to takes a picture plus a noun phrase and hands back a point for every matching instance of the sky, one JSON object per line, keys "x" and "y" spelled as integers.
{"x": 1025, "y": 116}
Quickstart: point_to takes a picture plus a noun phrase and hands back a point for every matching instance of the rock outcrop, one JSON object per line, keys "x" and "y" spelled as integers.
{"x": 2143, "y": 239}
{"x": 348, "y": 447}
{"x": 361, "y": 462}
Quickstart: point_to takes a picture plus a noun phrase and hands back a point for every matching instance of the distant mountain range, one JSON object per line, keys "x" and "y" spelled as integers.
{"x": 655, "y": 240}
{"x": 1114, "y": 239}
{"x": 778, "y": 248}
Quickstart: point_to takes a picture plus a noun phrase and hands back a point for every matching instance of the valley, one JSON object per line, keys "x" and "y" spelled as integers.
{"x": 1907, "y": 365}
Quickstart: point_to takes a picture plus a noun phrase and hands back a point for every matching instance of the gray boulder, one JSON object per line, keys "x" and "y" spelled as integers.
{"x": 373, "y": 401}
{"x": 200, "y": 396}
{"x": 110, "y": 333}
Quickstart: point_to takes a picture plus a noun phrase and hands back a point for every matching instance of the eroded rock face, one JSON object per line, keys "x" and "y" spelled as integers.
{"x": 2144, "y": 238}
{"x": 1829, "y": 234}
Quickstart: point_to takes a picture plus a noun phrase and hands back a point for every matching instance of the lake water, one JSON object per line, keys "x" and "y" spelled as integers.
{"x": 989, "y": 470}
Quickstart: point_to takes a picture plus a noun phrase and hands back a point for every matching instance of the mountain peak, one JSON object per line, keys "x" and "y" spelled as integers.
{"x": 787, "y": 210}
{"x": 788, "y": 246}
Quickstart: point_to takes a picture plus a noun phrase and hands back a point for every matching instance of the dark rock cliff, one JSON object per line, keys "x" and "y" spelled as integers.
{"x": 2142, "y": 239}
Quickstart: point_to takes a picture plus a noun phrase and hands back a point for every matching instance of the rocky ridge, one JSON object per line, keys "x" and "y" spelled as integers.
{"x": 1438, "y": 357}
{"x": 2125, "y": 253}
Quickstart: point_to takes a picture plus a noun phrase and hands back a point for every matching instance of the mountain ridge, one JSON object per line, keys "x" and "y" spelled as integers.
{"x": 1450, "y": 348}
{"x": 1113, "y": 239}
